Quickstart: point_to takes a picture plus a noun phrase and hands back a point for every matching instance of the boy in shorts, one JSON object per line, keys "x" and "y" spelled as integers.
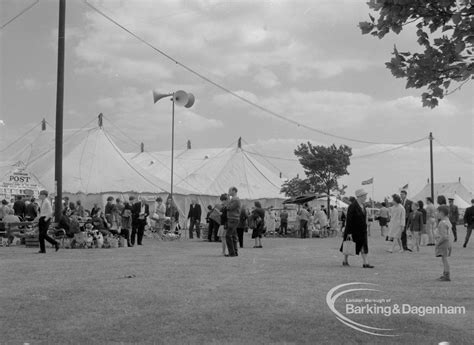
{"x": 443, "y": 241}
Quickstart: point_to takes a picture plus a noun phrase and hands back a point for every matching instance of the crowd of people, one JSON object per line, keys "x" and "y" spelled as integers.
{"x": 404, "y": 220}
{"x": 401, "y": 221}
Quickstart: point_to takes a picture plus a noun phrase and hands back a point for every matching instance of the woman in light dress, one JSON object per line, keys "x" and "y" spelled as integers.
{"x": 397, "y": 223}
{"x": 270, "y": 222}
{"x": 322, "y": 219}
{"x": 430, "y": 220}
{"x": 334, "y": 216}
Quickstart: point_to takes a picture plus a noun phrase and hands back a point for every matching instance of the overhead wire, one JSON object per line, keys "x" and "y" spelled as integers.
{"x": 19, "y": 14}
{"x": 261, "y": 173}
{"x": 64, "y": 141}
{"x": 225, "y": 89}
{"x": 20, "y": 138}
{"x": 131, "y": 166}
{"x": 388, "y": 150}
{"x": 353, "y": 157}
{"x": 454, "y": 153}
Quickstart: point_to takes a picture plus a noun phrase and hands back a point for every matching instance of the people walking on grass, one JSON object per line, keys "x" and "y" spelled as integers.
{"x": 284, "y": 222}
{"x": 343, "y": 220}
{"x": 453, "y": 217}
{"x": 258, "y": 221}
{"x": 127, "y": 219}
{"x": 407, "y": 205}
{"x": 441, "y": 200}
{"x": 443, "y": 241}
{"x": 396, "y": 226}
{"x": 270, "y": 221}
{"x": 415, "y": 224}
{"x": 194, "y": 217}
{"x": 243, "y": 226}
{"x": 140, "y": 213}
{"x": 356, "y": 228}
{"x": 233, "y": 207}
{"x": 334, "y": 216}
{"x": 304, "y": 219}
{"x": 322, "y": 219}
{"x": 469, "y": 222}
{"x": 45, "y": 215}
{"x": 424, "y": 235}
{"x": 159, "y": 215}
{"x": 383, "y": 218}
{"x": 214, "y": 222}
{"x": 430, "y": 220}
{"x": 221, "y": 208}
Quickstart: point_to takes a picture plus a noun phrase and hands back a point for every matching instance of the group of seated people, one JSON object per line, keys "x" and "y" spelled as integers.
{"x": 72, "y": 224}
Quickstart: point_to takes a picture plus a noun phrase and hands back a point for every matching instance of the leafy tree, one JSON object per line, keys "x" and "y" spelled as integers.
{"x": 445, "y": 58}
{"x": 295, "y": 187}
{"x": 323, "y": 166}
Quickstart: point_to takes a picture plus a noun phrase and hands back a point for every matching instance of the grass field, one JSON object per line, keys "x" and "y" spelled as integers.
{"x": 185, "y": 292}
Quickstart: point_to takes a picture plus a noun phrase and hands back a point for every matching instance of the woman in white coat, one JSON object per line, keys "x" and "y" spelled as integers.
{"x": 397, "y": 223}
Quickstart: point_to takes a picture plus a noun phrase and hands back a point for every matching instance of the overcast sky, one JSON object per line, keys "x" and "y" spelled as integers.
{"x": 305, "y": 60}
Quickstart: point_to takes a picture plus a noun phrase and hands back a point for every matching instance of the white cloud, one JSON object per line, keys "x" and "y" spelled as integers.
{"x": 223, "y": 39}
{"x": 267, "y": 78}
{"x": 29, "y": 84}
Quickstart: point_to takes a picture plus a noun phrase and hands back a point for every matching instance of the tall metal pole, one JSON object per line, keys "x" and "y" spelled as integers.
{"x": 58, "y": 174}
{"x": 173, "y": 224}
{"x": 431, "y": 166}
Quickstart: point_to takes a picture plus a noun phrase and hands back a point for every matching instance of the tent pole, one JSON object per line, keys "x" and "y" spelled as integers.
{"x": 58, "y": 172}
{"x": 431, "y": 165}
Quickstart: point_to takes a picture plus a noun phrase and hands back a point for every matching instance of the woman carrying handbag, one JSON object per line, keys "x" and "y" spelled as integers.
{"x": 356, "y": 229}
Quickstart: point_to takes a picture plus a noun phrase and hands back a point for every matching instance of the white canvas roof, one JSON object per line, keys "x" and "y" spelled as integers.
{"x": 213, "y": 171}
{"x": 462, "y": 196}
{"x": 92, "y": 163}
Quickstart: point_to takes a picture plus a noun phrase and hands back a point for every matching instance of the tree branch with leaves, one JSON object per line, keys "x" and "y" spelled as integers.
{"x": 447, "y": 55}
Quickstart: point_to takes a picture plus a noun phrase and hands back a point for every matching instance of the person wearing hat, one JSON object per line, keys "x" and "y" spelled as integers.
{"x": 356, "y": 228}
{"x": 453, "y": 217}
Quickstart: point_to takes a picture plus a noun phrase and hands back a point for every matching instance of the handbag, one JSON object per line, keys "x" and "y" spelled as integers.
{"x": 215, "y": 216}
{"x": 349, "y": 247}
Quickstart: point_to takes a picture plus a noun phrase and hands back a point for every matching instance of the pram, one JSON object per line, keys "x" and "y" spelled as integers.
{"x": 168, "y": 234}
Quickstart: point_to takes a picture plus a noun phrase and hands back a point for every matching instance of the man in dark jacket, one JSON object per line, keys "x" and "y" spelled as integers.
{"x": 31, "y": 211}
{"x": 453, "y": 217}
{"x": 407, "y": 205}
{"x": 469, "y": 222}
{"x": 19, "y": 207}
{"x": 194, "y": 217}
{"x": 140, "y": 212}
{"x": 356, "y": 227}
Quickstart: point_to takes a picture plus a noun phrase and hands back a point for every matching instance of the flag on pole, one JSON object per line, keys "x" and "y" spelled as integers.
{"x": 369, "y": 181}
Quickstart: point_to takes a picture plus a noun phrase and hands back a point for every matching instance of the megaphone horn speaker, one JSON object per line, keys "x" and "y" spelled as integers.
{"x": 181, "y": 98}
{"x": 157, "y": 96}
{"x": 190, "y": 102}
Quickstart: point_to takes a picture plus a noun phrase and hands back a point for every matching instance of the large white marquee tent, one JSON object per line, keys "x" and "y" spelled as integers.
{"x": 95, "y": 168}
